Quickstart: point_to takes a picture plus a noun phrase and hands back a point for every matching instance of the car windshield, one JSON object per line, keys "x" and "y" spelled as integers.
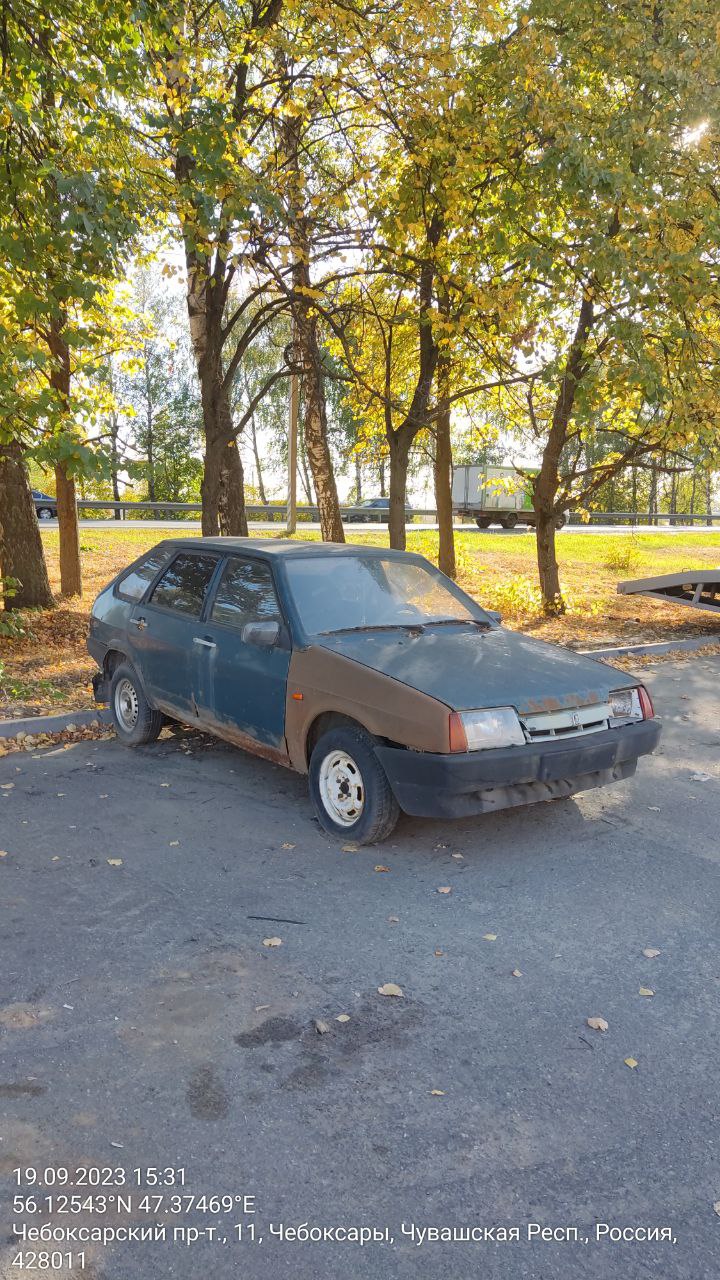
{"x": 347, "y": 593}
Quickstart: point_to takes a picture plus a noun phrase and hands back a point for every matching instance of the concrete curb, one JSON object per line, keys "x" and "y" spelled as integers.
{"x": 647, "y": 650}
{"x": 53, "y": 724}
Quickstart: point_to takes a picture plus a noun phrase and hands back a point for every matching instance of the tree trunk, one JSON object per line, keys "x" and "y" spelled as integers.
{"x": 381, "y": 476}
{"x": 358, "y": 478}
{"x": 548, "y": 570}
{"x": 222, "y": 489}
{"x": 149, "y": 426}
{"x": 231, "y": 510}
{"x": 256, "y": 454}
{"x": 315, "y": 432}
{"x": 69, "y": 532}
{"x": 708, "y": 496}
{"x": 114, "y": 459}
{"x": 305, "y": 476}
{"x": 443, "y": 472}
{"x": 21, "y": 550}
{"x": 653, "y": 496}
{"x": 399, "y": 458}
{"x": 547, "y": 480}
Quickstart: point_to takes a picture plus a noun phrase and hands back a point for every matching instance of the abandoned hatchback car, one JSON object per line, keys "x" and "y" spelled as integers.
{"x": 365, "y": 668}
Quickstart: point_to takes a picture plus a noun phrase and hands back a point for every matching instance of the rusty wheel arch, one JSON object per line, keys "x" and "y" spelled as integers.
{"x": 333, "y": 720}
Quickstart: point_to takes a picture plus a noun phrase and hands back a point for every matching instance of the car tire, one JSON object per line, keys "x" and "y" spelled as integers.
{"x": 483, "y": 522}
{"x": 44, "y": 513}
{"x": 136, "y": 722}
{"x": 349, "y": 788}
{"x": 509, "y": 522}
{"x": 560, "y": 522}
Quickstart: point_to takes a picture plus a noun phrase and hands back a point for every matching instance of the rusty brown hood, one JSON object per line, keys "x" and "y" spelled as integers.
{"x": 466, "y": 667}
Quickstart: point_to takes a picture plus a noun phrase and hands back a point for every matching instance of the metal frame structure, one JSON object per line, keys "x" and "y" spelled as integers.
{"x": 697, "y": 588}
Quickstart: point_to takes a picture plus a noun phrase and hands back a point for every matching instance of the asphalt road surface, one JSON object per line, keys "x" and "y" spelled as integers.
{"x": 145, "y": 1026}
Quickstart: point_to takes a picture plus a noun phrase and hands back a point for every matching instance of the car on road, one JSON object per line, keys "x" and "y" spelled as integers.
{"x": 45, "y": 506}
{"x": 366, "y": 669}
{"x": 373, "y": 510}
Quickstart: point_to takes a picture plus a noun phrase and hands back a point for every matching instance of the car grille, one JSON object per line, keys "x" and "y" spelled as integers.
{"x": 571, "y": 723}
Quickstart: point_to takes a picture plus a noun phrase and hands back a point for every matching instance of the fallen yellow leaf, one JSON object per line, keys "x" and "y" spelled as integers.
{"x": 597, "y": 1024}
{"x": 646, "y": 991}
{"x": 631, "y": 1063}
{"x": 343, "y": 1017}
{"x": 390, "y": 989}
{"x": 379, "y": 867}
{"x": 716, "y": 1207}
{"x": 6, "y": 786}
{"x": 3, "y": 853}
{"x": 393, "y": 919}
{"x": 272, "y": 942}
{"x": 173, "y": 843}
{"x": 445, "y": 888}
{"x": 438, "y": 953}
{"x": 437, "y": 1093}
{"x": 350, "y": 848}
{"x": 457, "y": 856}
{"x": 517, "y": 973}
{"x": 651, "y": 952}
{"x": 287, "y": 845}
{"x": 114, "y": 862}
{"x": 490, "y": 937}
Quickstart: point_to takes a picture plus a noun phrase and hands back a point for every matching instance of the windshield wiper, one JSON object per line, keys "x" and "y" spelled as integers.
{"x": 458, "y": 622}
{"x": 375, "y": 626}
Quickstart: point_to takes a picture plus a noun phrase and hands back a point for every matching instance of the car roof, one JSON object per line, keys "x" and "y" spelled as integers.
{"x": 283, "y": 548}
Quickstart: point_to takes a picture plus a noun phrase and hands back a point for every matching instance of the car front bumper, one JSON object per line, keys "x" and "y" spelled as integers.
{"x": 460, "y": 785}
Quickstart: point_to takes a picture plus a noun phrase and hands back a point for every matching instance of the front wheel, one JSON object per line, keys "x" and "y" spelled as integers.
{"x": 136, "y": 722}
{"x": 44, "y": 513}
{"x": 482, "y": 522}
{"x": 349, "y": 789}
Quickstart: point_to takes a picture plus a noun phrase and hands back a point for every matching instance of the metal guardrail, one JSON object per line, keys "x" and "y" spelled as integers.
{"x": 278, "y": 511}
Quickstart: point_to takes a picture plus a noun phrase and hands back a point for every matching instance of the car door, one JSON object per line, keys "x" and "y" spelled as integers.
{"x": 242, "y": 674}
{"x": 162, "y": 632}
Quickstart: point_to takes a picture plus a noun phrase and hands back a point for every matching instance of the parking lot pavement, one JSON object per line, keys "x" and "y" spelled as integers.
{"x": 144, "y": 1024}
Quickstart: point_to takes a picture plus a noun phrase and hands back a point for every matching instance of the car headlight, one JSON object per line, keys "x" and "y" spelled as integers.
{"x": 483, "y": 730}
{"x": 626, "y": 705}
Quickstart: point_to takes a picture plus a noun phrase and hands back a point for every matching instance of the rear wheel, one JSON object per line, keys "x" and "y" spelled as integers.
{"x": 349, "y": 788}
{"x": 44, "y": 513}
{"x": 509, "y": 521}
{"x": 135, "y": 720}
{"x": 560, "y": 522}
{"x": 482, "y": 522}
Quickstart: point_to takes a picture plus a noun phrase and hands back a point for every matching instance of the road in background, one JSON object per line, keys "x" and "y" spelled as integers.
{"x": 123, "y": 525}
{"x": 144, "y": 1024}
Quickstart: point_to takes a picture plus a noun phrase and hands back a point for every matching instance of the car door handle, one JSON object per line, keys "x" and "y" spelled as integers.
{"x": 206, "y": 644}
{"x": 140, "y": 623}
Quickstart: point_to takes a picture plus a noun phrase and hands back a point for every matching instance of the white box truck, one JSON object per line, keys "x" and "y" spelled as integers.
{"x": 493, "y": 495}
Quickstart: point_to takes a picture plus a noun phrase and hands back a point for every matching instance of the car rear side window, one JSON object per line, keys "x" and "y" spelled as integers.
{"x": 183, "y": 586}
{"x": 135, "y": 583}
{"x": 246, "y": 594}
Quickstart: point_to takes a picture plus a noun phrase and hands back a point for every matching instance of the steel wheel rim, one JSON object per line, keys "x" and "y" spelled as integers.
{"x": 342, "y": 790}
{"x": 127, "y": 707}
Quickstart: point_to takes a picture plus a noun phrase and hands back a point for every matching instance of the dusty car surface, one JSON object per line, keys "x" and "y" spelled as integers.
{"x": 367, "y": 669}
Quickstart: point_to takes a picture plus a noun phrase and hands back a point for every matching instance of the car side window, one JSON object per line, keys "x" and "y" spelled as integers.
{"x": 134, "y": 584}
{"x": 246, "y": 594}
{"x": 183, "y": 586}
